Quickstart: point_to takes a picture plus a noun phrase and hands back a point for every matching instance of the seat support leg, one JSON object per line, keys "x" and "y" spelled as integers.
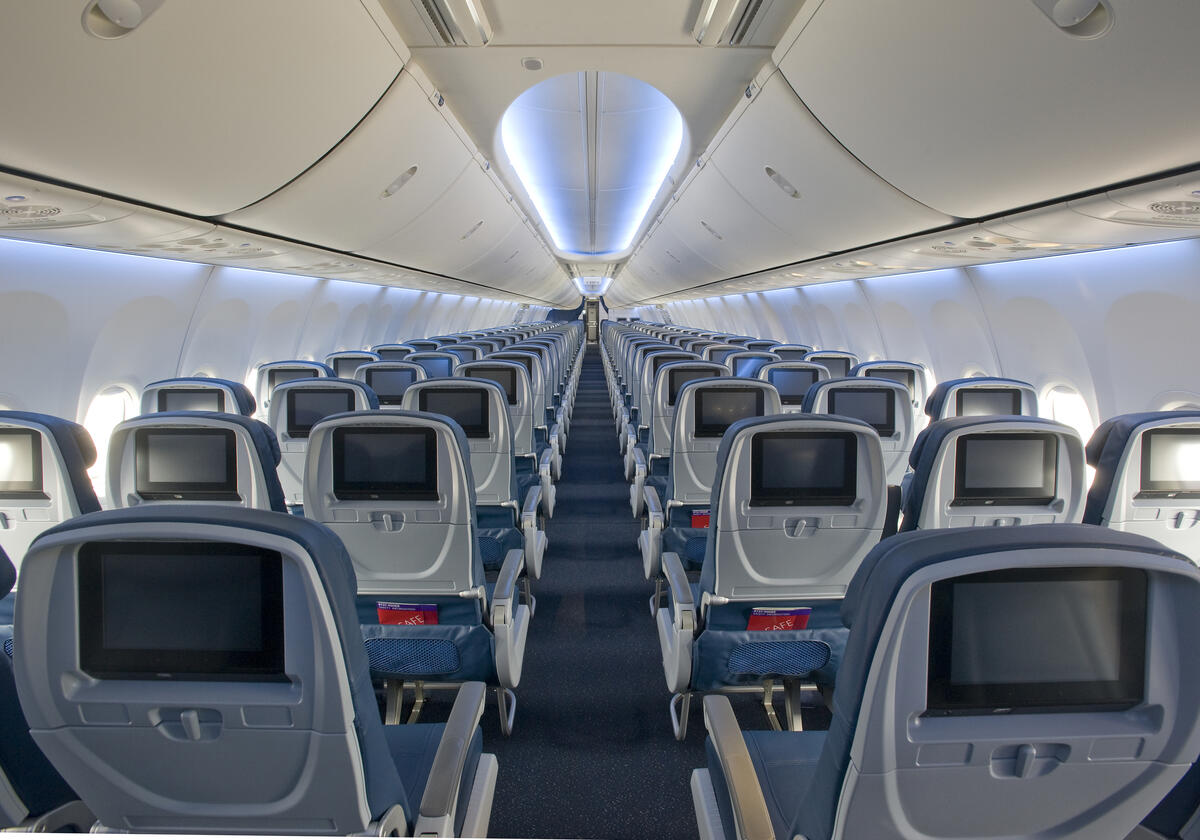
{"x": 679, "y": 717}
{"x": 793, "y": 694}
{"x": 768, "y": 701}
{"x": 418, "y": 700}
{"x": 394, "y": 711}
{"x": 506, "y": 705}
{"x": 656, "y": 598}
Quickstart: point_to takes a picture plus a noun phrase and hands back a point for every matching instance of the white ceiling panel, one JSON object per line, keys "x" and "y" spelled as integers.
{"x": 975, "y": 107}
{"x": 204, "y": 108}
{"x": 821, "y": 197}
{"x": 396, "y": 164}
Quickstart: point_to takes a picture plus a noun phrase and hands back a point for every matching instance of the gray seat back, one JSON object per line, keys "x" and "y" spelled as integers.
{"x": 979, "y": 396}
{"x": 792, "y": 380}
{"x": 215, "y": 683}
{"x": 389, "y": 380}
{"x": 704, "y": 409}
{"x": 480, "y": 408}
{"x": 273, "y": 374}
{"x": 537, "y": 379}
{"x": 652, "y": 362}
{"x": 198, "y": 393}
{"x": 951, "y": 718}
{"x": 198, "y": 457}
{"x": 910, "y": 374}
{"x": 434, "y": 362}
{"x": 748, "y": 362}
{"x": 719, "y": 351}
{"x": 464, "y": 352}
{"x": 513, "y": 379}
{"x": 791, "y": 352}
{"x": 798, "y": 502}
{"x": 997, "y": 470}
{"x": 668, "y": 382}
{"x": 1148, "y": 477}
{"x": 393, "y": 352}
{"x": 295, "y": 409}
{"x": 346, "y": 362}
{"x": 882, "y": 403}
{"x": 396, "y": 487}
{"x": 839, "y": 362}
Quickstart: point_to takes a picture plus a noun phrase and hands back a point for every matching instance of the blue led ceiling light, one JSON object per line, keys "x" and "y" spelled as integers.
{"x": 592, "y": 150}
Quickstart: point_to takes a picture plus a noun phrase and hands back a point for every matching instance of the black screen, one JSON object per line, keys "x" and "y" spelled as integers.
{"x": 718, "y": 356}
{"x": 759, "y": 345}
{"x": 277, "y": 376}
{"x": 1025, "y": 640}
{"x": 505, "y": 378}
{"x": 676, "y": 379}
{"x": 661, "y": 359}
{"x": 191, "y": 399}
{"x": 1005, "y": 469}
{"x": 838, "y": 365}
{"x": 423, "y": 344}
{"x": 180, "y": 464}
{"x": 792, "y": 385}
{"x": 719, "y": 408}
{"x": 434, "y": 367}
{"x": 385, "y": 464}
{"x": 308, "y": 406}
{"x": 980, "y": 402}
{"x": 791, "y": 355}
{"x": 750, "y": 365}
{"x": 904, "y": 376}
{"x": 344, "y": 366}
{"x": 389, "y": 384}
{"x": 464, "y": 354}
{"x": 876, "y": 406}
{"x": 180, "y": 610}
{"x": 803, "y": 468}
{"x": 522, "y": 359}
{"x": 467, "y": 407}
{"x": 392, "y": 354}
{"x": 21, "y": 464}
{"x": 1171, "y": 463}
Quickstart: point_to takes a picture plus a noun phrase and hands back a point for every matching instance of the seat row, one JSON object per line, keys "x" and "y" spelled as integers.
{"x": 778, "y": 514}
{"x": 442, "y": 597}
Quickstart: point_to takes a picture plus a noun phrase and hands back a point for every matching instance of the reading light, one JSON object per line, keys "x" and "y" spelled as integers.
{"x": 110, "y": 19}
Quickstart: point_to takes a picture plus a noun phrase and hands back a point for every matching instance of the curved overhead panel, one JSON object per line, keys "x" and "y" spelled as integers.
{"x": 389, "y": 170}
{"x": 195, "y": 110}
{"x": 975, "y": 108}
{"x": 592, "y": 151}
{"x": 789, "y": 168}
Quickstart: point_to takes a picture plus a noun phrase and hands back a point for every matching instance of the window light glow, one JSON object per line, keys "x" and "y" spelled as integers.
{"x": 592, "y": 150}
{"x": 1066, "y": 405}
{"x": 110, "y": 407}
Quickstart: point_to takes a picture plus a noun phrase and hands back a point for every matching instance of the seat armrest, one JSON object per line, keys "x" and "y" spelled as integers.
{"x": 510, "y": 621}
{"x": 506, "y": 582}
{"x": 545, "y": 473}
{"x": 677, "y": 626}
{"x": 445, "y": 774}
{"x": 750, "y": 815}
{"x": 638, "y": 469}
{"x": 677, "y": 580}
{"x": 535, "y": 538}
{"x": 650, "y": 540}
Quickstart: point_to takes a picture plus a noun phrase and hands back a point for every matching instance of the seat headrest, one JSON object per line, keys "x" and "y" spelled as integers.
{"x": 935, "y": 403}
{"x": 244, "y": 400}
{"x": 302, "y": 363}
{"x": 74, "y": 445}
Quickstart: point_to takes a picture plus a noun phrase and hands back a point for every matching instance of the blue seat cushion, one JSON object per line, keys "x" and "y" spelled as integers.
{"x": 413, "y": 748}
{"x": 785, "y": 763}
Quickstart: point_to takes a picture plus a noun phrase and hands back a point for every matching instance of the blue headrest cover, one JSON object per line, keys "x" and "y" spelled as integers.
{"x": 246, "y": 404}
{"x": 336, "y": 573}
{"x": 937, "y": 398}
{"x": 1108, "y": 444}
{"x": 77, "y": 450}
{"x": 925, "y": 451}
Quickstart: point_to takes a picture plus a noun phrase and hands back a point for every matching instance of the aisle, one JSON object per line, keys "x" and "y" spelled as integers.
{"x": 592, "y": 754}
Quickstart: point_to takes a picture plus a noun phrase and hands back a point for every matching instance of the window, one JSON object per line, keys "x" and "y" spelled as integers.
{"x": 1066, "y": 405}
{"x": 110, "y": 407}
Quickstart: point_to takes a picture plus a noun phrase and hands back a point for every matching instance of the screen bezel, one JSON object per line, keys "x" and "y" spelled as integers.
{"x": 510, "y": 393}
{"x": 888, "y": 428}
{"x": 266, "y": 665}
{"x": 1006, "y": 496}
{"x": 474, "y": 431}
{"x": 389, "y": 399}
{"x": 35, "y": 487}
{"x": 890, "y": 374}
{"x": 788, "y": 399}
{"x": 1151, "y": 489}
{"x": 824, "y": 361}
{"x": 350, "y": 491}
{"x": 296, "y": 430}
{"x": 1015, "y": 393}
{"x": 707, "y": 430}
{"x": 164, "y": 395}
{"x": 842, "y": 496}
{"x": 946, "y": 698}
{"x": 200, "y": 491}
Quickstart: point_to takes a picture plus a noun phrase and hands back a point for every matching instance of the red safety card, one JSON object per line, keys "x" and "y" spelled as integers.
{"x": 785, "y": 618}
{"x": 391, "y": 613}
{"x": 700, "y": 518}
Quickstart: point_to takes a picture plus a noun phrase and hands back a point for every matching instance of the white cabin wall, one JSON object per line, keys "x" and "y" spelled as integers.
{"x": 75, "y": 323}
{"x": 1116, "y": 326}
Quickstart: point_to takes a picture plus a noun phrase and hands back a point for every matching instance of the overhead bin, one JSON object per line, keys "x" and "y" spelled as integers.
{"x": 195, "y": 110}
{"x": 392, "y": 168}
{"x": 666, "y": 262}
{"x": 978, "y": 107}
{"x": 785, "y": 164}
